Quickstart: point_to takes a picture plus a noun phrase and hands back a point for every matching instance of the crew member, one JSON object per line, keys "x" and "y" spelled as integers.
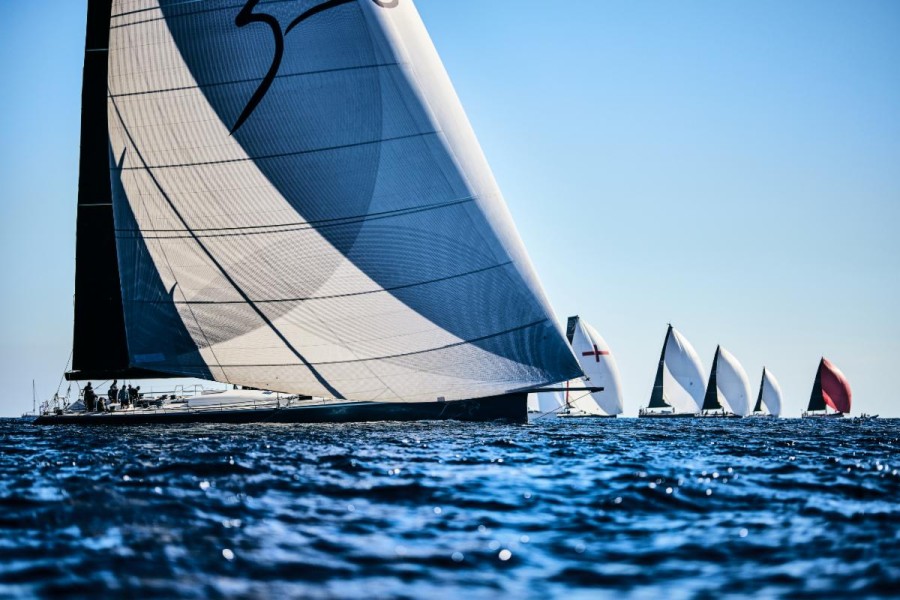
{"x": 113, "y": 392}
{"x": 89, "y": 398}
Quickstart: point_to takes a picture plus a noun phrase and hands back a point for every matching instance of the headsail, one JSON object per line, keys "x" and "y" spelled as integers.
{"x": 679, "y": 379}
{"x": 730, "y": 385}
{"x": 545, "y": 402}
{"x": 301, "y": 205}
{"x": 831, "y": 388}
{"x": 598, "y": 364}
{"x": 769, "y": 394}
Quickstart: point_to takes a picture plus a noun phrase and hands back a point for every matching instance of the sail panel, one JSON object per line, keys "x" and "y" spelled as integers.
{"x": 99, "y": 342}
{"x": 711, "y": 398}
{"x": 683, "y": 377}
{"x": 733, "y": 383}
{"x": 770, "y": 392}
{"x": 584, "y": 401}
{"x": 346, "y": 237}
{"x": 545, "y": 402}
{"x": 835, "y": 387}
{"x": 816, "y": 399}
{"x": 598, "y": 364}
{"x": 657, "y": 399}
{"x": 758, "y": 407}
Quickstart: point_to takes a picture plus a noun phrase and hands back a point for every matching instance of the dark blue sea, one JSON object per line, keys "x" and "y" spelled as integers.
{"x": 565, "y": 509}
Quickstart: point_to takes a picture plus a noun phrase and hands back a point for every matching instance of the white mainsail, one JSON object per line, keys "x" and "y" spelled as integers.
{"x": 301, "y": 205}
{"x": 600, "y": 369}
{"x": 732, "y": 383}
{"x": 770, "y": 393}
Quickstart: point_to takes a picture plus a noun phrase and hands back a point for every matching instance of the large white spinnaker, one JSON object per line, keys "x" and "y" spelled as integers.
{"x": 770, "y": 395}
{"x": 301, "y": 205}
{"x": 598, "y": 365}
{"x": 684, "y": 374}
{"x": 729, "y": 386}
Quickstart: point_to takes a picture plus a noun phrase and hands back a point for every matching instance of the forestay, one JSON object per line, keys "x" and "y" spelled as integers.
{"x": 301, "y": 205}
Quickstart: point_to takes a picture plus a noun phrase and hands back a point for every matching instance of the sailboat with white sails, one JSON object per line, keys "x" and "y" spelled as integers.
{"x": 769, "y": 400}
{"x": 728, "y": 390}
{"x": 289, "y": 196}
{"x": 600, "y": 369}
{"x": 678, "y": 388}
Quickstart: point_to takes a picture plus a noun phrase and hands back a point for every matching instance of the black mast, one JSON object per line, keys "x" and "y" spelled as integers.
{"x": 99, "y": 345}
{"x": 657, "y": 399}
{"x": 711, "y": 400}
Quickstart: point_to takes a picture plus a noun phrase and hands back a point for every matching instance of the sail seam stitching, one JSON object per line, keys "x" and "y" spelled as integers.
{"x": 218, "y": 265}
{"x": 251, "y": 79}
{"x": 284, "y": 154}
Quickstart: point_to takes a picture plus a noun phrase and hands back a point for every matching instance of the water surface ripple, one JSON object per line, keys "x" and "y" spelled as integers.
{"x": 570, "y": 509}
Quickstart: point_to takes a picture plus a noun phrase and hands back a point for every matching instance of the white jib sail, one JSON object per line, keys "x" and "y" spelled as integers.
{"x": 298, "y": 192}
{"x": 771, "y": 393}
{"x": 545, "y": 402}
{"x": 733, "y": 384}
{"x": 599, "y": 366}
{"x": 684, "y": 382}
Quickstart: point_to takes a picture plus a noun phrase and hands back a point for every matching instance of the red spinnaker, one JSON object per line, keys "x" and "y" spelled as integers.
{"x": 835, "y": 388}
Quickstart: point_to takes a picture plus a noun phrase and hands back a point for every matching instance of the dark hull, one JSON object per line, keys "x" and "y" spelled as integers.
{"x": 719, "y": 416}
{"x": 836, "y": 415}
{"x": 510, "y": 408}
{"x": 665, "y": 415}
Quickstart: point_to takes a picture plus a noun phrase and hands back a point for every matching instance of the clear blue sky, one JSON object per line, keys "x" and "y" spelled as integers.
{"x": 733, "y": 168}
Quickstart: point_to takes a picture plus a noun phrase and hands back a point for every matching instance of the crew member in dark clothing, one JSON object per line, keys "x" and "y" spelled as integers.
{"x": 123, "y": 396}
{"x": 132, "y": 395}
{"x": 113, "y": 392}
{"x": 90, "y": 398}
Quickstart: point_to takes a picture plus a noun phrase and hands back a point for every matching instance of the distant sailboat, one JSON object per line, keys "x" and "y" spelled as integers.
{"x": 768, "y": 402}
{"x": 679, "y": 385}
{"x": 600, "y": 370}
{"x": 830, "y": 388}
{"x": 728, "y": 391}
